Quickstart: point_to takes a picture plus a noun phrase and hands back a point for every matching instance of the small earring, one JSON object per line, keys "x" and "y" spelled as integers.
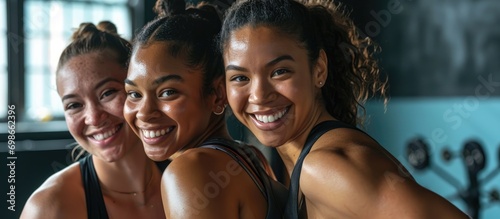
{"x": 321, "y": 83}
{"x": 221, "y": 109}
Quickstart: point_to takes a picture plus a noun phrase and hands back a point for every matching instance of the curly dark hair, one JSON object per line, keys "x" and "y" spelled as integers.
{"x": 353, "y": 72}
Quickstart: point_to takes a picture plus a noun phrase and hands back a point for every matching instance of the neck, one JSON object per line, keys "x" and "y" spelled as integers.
{"x": 217, "y": 128}
{"x": 290, "y": 151}
{"x": 131, "y": 174}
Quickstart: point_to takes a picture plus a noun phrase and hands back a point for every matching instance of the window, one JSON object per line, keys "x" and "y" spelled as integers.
{"x": 48, "y": 26}
{"x": 3, "y": 61}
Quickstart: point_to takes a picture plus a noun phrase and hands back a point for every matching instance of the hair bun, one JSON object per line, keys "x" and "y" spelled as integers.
{"x": 210, "y": 12}
{"x": 84, "y": 30}
{"x": 108, "y": 27}
{"x": 166, "y": 8}
{"x": 88, "y": 29}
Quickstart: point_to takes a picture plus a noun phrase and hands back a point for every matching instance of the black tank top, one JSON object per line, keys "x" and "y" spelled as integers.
{"x": 293, "y": 210}
{"x": 96, "y": 208}
{"x": 274, "y": 192}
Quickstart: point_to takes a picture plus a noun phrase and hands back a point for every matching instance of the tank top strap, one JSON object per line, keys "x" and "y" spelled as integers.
{"x": 162, "y": 165}
{"x": 96, "y": 209}
{"x": 292, "y": 210}
{"x": 237, "y": 155}
{"x": 274, "y": 192}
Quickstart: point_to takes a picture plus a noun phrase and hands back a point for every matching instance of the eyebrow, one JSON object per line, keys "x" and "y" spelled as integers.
{"x": 272, "y": 62}
{"x": 98, "y": 85}
{"x": 158, "y": 80}
{"x": 69, "y": 96}
{"x": 130, "y": 82}
{"x": 101, "y": 83}
{"x": 167, "y": 78}
{"x": 279, "y": 59}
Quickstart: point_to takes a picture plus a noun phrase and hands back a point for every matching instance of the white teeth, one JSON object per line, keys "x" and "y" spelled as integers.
{"x": 270, "y": 118}
{"x": 105, "y": 135}
{"x": 157, "y": 133}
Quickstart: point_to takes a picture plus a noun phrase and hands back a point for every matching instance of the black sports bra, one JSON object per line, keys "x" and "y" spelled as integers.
{"x": 93, "y": 194}
{"x": 274, "y": 192}
{"x": 293, "y": 210}
{"x": 96, "y": 208}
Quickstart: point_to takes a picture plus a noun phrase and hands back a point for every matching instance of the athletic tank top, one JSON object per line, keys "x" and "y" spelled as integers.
{"x": 274, "y": 192}
{"x": 96, "y": 208}
{"x": 293, "y": 210}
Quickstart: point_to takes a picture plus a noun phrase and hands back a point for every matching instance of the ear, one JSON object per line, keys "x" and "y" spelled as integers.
{"x": 320, "y": 71}
{"x": 220, "y": 97}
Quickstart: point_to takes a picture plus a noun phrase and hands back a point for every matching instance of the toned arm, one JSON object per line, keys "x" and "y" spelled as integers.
{"x": 60, "y": 196}
{"x": 360, "y": 182}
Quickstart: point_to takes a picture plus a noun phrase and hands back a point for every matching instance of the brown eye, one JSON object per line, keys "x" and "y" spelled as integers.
{"x": 239, "y": 78}
{"x": 108, "y": 93}
{"x": 70, "y": 106}
{"x": 280, "y": 72}
{"x": 167, "y": 93}
{"x": 133, "y": 95}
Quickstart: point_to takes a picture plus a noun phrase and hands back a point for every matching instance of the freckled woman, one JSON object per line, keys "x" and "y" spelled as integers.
{"x": 116, "y": 179}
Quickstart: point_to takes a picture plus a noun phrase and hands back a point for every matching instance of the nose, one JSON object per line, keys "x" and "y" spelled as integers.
{"x": 261, "y": 92}
{"x": 148, "y": 109}
{"x": 95, "y": 115}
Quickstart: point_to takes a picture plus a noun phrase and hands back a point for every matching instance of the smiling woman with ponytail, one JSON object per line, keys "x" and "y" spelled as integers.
{"x": 175, "y": 104}
{"x": 297, "y": 75}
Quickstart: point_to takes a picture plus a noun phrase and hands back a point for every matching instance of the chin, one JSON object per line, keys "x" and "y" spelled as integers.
{"x": 269, "y": 142}
{"x": 110, "y": 159}
{"x": 111, "y": 155}
{"x": 155, "y": 154}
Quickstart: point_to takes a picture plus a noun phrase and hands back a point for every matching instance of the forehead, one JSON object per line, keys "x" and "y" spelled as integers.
{"x": 156, "y": 59}
{"x": 249, "y": 44}
{"x": 260, "y": 36}
{"x": 89, "y": 69}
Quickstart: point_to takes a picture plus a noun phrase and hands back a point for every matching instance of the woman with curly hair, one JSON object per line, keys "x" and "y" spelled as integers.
{"x": 297, "y": 75}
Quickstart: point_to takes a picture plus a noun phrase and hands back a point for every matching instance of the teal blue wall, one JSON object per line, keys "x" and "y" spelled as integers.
{"x": 443, "y": 123}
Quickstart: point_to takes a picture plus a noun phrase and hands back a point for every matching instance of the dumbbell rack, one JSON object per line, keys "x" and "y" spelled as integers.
{"x": 473, "y": 156}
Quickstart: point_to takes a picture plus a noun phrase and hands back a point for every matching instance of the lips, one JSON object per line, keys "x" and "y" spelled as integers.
{"x": 271, "y": 117}
{"x": 156, "y": 133}
{"x": 100, "y": 136}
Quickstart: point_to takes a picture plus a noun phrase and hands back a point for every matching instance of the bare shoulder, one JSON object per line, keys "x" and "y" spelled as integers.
{"x": 200, "y": 180}
{"x": 339, "y": 176}
{"x": 203, "y": 160}
{"x": 348, "y": 174}
{"x": 352, "y": 155}
{"x": 207, "y": 183}
{"x": 60, "y": 196}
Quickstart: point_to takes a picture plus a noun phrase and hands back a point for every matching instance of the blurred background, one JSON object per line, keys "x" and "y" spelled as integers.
{"x": 441, "y": 57}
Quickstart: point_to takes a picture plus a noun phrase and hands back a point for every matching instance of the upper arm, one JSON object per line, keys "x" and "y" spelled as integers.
{"x": 60, "y": 196}
{"x": 367, "y": 185}
{"x": 53, "y": 202}
{"x": 39, "y": 206}
{"x": 195, "y": 185}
